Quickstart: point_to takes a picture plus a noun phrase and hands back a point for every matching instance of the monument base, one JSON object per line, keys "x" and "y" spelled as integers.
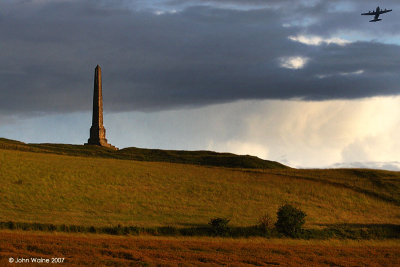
{"x": 100, "y": 142}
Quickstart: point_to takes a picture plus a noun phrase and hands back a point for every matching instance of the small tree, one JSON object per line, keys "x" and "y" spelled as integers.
{"x": 290, "y": 220}
{"x": 220, "y": 225}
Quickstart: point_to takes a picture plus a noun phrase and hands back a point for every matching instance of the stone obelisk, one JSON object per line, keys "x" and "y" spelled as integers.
{"x": 97, "y": 131}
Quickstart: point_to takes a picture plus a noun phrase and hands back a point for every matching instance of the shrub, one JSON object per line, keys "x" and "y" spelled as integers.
{"x": 11, "y": 225}
{"x": 168, "y": 230}
{"x": 220, "y": 226}
{"x": 52, "y": 227}
{"x": 290, "y": 220}
{"x": 266, "y": 223}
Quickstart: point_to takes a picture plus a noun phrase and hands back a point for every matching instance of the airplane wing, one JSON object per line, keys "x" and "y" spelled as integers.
{"x": 385, "y": 11}
{"x": 370, "y": 13}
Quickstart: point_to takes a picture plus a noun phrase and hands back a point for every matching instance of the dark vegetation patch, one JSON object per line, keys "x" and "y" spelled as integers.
{"x": 207, "y": 158}
{"x": 339, "y": 231}
{"x": 290, "y": 220}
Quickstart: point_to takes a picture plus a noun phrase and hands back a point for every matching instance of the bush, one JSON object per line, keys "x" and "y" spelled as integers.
{"x": 290, "y": 220}
{"x": 220, "y": 226}
{"x": 266, "y": 223}
{"x": 11, "y": 225}
{"x": 168, "y": 230}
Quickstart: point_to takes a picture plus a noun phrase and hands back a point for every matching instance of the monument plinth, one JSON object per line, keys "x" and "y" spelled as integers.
{"x": 97, "y": 131}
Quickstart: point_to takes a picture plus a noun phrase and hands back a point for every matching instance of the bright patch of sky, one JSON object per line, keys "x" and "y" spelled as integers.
{"x": 160, "y": 12}
{"x": 358, "y": 72}
{"x": 293, "y": 62}
{"x": 317, "y": 40}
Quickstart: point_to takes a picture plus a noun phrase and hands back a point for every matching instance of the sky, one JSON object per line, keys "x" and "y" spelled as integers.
{"x": 311, "y": 84}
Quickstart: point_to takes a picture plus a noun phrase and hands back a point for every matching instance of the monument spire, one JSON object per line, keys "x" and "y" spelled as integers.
{"x": 97, "y": 118}
{"x": 97, "y": 131}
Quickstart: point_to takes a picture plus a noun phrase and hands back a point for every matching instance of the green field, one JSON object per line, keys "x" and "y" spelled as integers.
{"x": 90, "y": 190}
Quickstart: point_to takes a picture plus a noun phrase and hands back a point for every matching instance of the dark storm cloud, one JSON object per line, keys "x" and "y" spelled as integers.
{"x": 196, "y": 56}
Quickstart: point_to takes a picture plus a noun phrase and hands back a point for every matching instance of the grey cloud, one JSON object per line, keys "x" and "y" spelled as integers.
{"x": 195, "y": 57}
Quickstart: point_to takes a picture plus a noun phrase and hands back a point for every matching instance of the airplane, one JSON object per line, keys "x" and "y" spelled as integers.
{"x": 376, "y": 13}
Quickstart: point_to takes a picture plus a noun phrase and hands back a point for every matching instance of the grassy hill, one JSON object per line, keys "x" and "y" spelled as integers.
{"x": 207, "y": 158}
{"x": 92, "y": 186}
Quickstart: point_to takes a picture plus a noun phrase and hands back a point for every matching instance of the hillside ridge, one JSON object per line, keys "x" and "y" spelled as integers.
{"x": 200, "y": 157}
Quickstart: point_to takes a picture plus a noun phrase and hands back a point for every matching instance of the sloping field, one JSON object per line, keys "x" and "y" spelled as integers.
{"x": 95, "y": 250}
{"x": 59, "y": 189}
{"x": 207, "y": 158}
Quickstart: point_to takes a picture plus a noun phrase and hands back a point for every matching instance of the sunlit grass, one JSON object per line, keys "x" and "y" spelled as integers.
{"x": 48, "y": 188}
{"x": 99, "y": 250}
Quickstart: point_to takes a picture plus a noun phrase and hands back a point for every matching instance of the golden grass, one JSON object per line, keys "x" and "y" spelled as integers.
{"x": 47, "y": 188}
{"x": 98, "y": 250}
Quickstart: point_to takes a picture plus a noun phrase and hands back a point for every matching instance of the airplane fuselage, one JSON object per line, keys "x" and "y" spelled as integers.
{"x": 376, "y": 13}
